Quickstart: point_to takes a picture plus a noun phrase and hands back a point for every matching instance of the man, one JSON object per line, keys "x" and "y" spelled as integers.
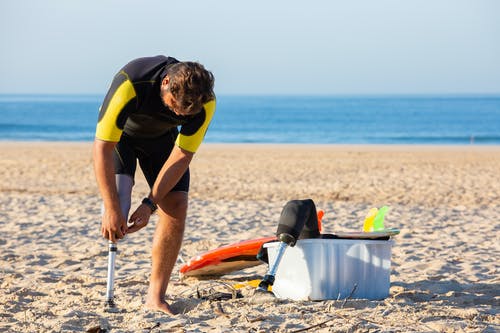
{"x": 138, "y": 120}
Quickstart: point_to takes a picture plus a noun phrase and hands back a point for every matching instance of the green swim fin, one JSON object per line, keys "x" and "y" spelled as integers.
{"x": 378, "y": 222}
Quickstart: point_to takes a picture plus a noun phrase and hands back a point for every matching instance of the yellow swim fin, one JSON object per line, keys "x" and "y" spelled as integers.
{"x": 368, "y": 224}
{"x": 251, "y": 283}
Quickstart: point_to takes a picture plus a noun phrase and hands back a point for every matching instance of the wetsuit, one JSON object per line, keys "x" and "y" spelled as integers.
{"x": 134, "y": 116}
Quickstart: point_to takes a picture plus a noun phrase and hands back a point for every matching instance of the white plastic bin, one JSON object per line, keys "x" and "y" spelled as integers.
{"x": 320, "y": 269}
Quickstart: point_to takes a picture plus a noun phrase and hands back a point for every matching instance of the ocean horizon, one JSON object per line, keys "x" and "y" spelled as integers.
{"x": 364, "y": 119}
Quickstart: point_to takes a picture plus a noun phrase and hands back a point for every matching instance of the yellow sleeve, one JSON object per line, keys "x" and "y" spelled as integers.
{"x": 119, "y": 98}
{"x": 190, "y": 140}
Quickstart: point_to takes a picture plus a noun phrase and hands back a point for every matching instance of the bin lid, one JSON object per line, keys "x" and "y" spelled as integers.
{"x": 367, "y": 235}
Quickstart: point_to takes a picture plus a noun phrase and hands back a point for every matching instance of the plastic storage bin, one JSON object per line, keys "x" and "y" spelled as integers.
{"x": 320, "y": 269}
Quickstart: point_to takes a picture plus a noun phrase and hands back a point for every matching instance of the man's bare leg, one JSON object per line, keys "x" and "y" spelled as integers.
{"x": 166, "y": 245}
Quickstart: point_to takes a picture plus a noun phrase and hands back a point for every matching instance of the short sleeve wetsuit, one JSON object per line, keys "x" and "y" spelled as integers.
{"x": 134, "y": 115}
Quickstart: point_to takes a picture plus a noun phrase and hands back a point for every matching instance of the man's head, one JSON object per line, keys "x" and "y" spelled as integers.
{"x": 186, "y": 87}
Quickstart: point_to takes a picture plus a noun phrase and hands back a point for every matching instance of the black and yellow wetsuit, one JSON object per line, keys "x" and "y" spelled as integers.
{"x": 134, "y": 116}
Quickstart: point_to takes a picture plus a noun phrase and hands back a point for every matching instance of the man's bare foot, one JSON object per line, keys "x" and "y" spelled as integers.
{"x": 158, "y": 305}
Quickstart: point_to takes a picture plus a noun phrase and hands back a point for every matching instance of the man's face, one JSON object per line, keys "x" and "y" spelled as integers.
{"x": 168, "y": 99}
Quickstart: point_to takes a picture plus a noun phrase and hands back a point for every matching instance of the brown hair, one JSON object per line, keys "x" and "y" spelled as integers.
{"x": 191, "y": 85}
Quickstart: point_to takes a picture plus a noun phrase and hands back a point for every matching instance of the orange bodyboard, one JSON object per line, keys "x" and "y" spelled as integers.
{"x": 226, "y": 259}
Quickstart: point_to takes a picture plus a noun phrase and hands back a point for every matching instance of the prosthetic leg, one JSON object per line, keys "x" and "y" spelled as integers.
{"x": 298, "y": 220}
{"x": 124, "y": 184}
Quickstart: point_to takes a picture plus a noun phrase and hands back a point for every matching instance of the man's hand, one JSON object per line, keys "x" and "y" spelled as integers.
{"x": 139, "y": 219}
{"x": 114, "y": 225}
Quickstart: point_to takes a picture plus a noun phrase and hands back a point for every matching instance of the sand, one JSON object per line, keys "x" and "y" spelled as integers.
{"x": 444, "y": 273}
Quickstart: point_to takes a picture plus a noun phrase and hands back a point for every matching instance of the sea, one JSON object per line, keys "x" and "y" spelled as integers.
{"x": 429, "y": 120}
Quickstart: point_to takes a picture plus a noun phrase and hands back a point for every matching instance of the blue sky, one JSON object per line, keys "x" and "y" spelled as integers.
{"x": 257, "y": 47}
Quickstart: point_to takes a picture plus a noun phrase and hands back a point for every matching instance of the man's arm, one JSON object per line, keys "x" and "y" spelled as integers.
{"x": 114, "y": 225}
{"x": 171, "y": 172}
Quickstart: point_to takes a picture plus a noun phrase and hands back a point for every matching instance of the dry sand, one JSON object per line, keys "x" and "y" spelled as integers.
{"x": 445, "y": 263}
